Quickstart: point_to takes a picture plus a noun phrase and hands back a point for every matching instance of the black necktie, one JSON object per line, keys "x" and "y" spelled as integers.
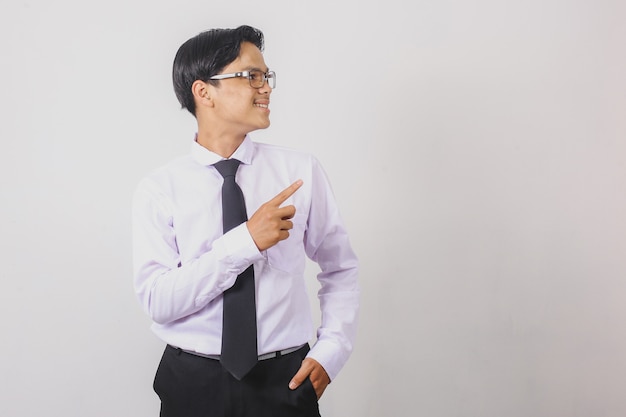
{"x": 239, "y": 344}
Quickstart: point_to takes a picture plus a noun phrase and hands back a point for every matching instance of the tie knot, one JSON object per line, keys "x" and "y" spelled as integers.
{"x": 227, "y": 167}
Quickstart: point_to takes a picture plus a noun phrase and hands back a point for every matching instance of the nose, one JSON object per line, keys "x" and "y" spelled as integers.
{"x": 265, "y": 88}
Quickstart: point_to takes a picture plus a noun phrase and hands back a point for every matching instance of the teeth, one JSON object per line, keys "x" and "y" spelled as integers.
{"x": 264, "y": 106}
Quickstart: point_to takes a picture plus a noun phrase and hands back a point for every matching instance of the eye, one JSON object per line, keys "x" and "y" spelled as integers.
{"x": 256, "y": 76}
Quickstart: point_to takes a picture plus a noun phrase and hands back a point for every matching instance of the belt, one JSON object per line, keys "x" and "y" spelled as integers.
{"x": 270, "y": 355}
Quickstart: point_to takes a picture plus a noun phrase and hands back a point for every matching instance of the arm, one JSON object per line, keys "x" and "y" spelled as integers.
{"x": 327, "y": 243}
{"x": 167, "y": 289}
{"x": 170, "y": 290}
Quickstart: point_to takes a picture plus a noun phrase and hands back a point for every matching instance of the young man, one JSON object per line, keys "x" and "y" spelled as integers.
{"x": 198, "y": 271}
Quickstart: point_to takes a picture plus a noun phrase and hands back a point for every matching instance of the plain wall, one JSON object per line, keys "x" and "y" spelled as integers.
{"x": 477, "y": 150}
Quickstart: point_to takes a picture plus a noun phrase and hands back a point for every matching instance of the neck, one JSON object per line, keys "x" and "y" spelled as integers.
{"x": 222, "y": 146}
{"x": 219, "y": 141}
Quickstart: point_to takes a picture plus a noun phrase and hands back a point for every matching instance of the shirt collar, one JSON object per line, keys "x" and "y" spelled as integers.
{"x": 203, "y": 156}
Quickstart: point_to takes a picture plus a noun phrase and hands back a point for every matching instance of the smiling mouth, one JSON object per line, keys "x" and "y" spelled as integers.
{"x": 263, "y": 106}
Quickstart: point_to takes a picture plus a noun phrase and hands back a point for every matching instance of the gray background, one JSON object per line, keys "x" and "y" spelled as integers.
{"x": 476, "y": 148}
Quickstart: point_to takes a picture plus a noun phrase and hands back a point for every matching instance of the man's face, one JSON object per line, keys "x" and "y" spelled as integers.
{"x": 239, "y": 107}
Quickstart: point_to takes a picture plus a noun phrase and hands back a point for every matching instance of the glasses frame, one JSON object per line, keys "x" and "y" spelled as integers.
{"x": 269, "y": 77}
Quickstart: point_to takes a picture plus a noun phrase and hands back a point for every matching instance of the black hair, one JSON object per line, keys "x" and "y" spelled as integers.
{"x": 205, "y": 55}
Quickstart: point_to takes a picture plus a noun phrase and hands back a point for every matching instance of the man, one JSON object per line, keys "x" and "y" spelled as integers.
{"x": 191, "y": 264}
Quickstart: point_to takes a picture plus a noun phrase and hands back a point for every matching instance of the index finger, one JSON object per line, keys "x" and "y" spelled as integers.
{"x": 286, "y": 193}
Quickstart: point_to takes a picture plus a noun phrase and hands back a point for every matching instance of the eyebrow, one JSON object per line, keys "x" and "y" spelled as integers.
{"x": 251, "y": 68}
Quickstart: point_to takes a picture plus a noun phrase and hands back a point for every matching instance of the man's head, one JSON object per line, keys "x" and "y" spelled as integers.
{"x": 205, "y": 56}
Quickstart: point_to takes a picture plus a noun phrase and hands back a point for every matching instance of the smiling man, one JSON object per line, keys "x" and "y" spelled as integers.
{"x": 220, "y": 239}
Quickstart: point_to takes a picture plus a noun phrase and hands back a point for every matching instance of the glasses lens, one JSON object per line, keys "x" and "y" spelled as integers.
{"x": 258, "y": 78}
{"x": 271, "y": 78}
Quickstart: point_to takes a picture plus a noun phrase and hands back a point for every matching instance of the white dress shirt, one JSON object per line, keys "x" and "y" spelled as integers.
{"x": 183, "y": 262}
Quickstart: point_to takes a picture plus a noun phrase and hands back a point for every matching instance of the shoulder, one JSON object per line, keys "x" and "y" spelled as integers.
{"x": 166, "y": 176}
{"x": 271, "y": 148}
{"x": 282, "y": 154}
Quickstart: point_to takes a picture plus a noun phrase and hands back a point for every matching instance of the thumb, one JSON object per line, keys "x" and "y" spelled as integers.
{"x": 300, "y": 376}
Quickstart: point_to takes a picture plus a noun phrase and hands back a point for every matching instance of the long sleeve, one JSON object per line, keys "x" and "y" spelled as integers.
{"x": 169, "y": 287}
{"x": 327, "y": 243}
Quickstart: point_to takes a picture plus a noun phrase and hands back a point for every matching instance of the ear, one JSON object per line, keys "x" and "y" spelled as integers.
{"x": 201, "y": 93}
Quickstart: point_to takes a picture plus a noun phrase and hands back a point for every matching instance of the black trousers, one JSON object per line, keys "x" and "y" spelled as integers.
{"x": 193, "y": 386}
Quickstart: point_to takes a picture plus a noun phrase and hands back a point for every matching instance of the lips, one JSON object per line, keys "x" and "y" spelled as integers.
{"x": 264, "y": 104}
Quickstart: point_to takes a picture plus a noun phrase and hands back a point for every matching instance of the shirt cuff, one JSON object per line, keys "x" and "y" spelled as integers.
{"x": 239, "y": 249}
{"x": 330, "y": 356}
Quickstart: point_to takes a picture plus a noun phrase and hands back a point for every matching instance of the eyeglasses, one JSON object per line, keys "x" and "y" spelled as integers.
{"x": 257, "y": 78}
